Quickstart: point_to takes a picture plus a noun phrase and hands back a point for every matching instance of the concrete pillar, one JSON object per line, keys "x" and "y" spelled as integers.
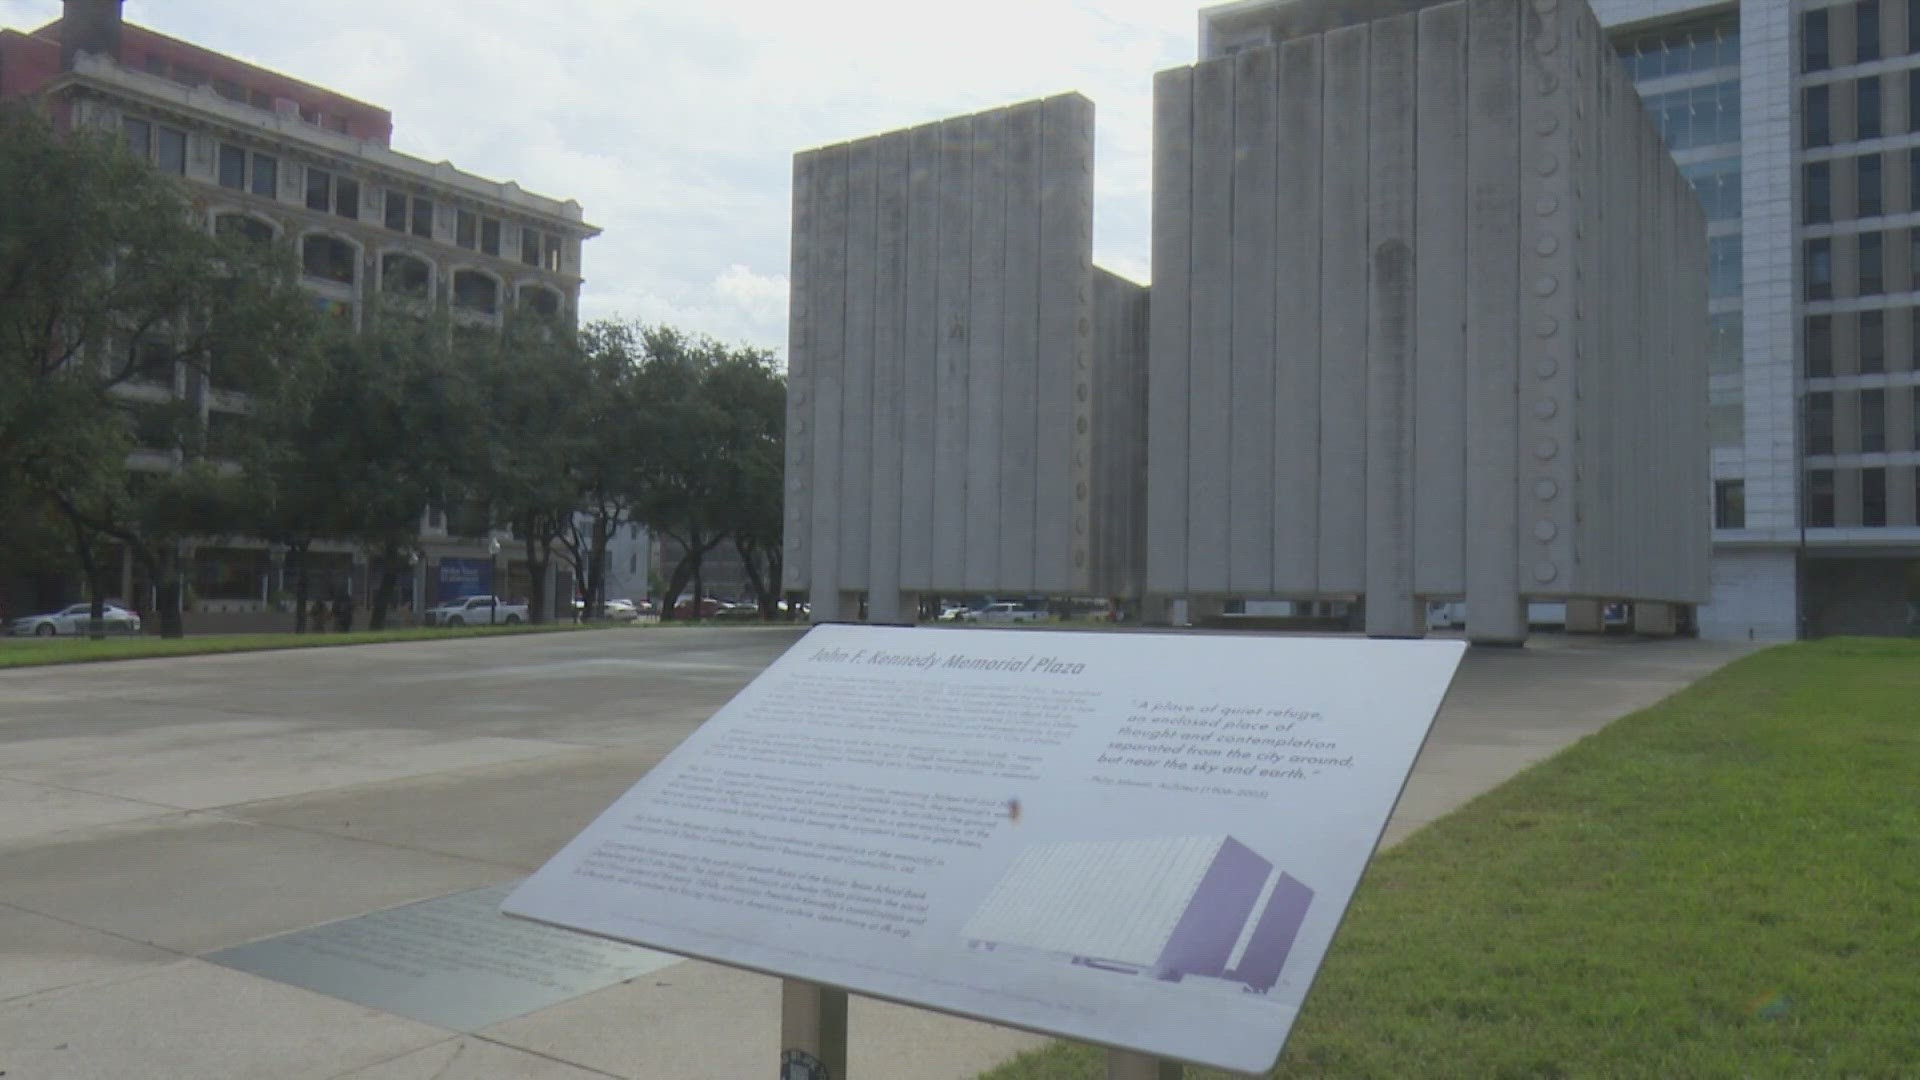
{"x": 1585, "y": 617}
{"x": 1654, "y": 619}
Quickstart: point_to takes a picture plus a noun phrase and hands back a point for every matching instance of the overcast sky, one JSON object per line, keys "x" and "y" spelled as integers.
{"x": 675, "y": 124}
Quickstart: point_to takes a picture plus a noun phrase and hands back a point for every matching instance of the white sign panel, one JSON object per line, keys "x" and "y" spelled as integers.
{"x": 1141, "y": 841}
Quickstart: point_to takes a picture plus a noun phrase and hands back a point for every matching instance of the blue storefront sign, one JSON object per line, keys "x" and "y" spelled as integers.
{"x": 464, "y": 577}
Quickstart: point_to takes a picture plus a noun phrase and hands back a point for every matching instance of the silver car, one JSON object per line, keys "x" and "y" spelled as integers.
{"x": 72, "y": 621}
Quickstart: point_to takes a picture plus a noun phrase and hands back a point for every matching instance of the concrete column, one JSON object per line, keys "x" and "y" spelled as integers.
{"x": 1344, "y": 265}
{"x": 1652, "y": 619}
{"x": 1168, "y": 334}
{"x": 1210, "y": 358}
{"x": 1440, "y": 295}
{"x": 1586, "y": 617}
{"x": 1250, "y": 463}
{"x": 1297, "y": 301}
{"x": 985, "y": 335}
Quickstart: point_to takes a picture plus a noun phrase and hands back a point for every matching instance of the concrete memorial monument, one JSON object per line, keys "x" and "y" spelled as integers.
{"x": 1141, "y": 841}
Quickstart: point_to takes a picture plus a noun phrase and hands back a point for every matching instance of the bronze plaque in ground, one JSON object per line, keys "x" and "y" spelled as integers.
{"x": 454, "y": 962}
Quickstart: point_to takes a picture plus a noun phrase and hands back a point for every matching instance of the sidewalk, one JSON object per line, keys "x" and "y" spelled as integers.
{"x": 153, "y": 813}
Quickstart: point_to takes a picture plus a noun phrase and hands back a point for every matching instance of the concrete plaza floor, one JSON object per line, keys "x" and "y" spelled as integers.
{"x": 153, "y": 812}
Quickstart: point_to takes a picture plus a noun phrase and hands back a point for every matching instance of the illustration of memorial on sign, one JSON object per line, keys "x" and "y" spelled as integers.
{"x": 1203, "y": 906}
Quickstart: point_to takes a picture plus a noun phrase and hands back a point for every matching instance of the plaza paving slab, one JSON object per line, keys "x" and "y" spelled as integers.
{"x": 152, "y": 812}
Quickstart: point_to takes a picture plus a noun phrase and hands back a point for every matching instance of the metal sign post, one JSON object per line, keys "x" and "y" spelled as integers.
{"x": 813, "y": 1031}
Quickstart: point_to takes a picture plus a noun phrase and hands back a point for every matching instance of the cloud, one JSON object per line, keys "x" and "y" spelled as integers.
{"x": 675, "y": 124}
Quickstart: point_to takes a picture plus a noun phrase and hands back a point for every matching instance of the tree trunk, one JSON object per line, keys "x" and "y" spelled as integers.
{"x": 299, "y": 557}
{"x": 597, "y": 569}
{"x": 699, "y": 556}
{"x": 750, "y": 559}
{"x": 383, "y": 594}
{"x": 171, "y": 625}
{"x": 537, "y": 580}
{"x": 90, "y": 569}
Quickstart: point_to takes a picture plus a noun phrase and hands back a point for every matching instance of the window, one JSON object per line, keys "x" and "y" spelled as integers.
{"x": 1817, "y": 188}
{"x": 328, "y": 258}
{"x": 233, "y": 168}
{"x": 1820, "y": 269}
{"x": 319, "y": 190}
{"x": 248, "y": 228}
{"x": 396, "y": 211}
{"x": 1819, "y": 346}
{"x": 1873, "y": 342}
{"x": 423, "y": 217}
{"x": 1723, "y": 266}
{"x": 1730, "y": 504}
{"x": 1725, "y": 343}
{"x": 406, "y": 276}
{"x": 467, "y": 229}
{"x": 540, "y": 249}
{"x": 1868, "y": 187}
{"x": 1815, "y": 120}
{"x": 1913, "y": 100}
{"x": 530, "y": 241}
{"x": 1820, "y": 422}
{"x": 346, "y": 198}
{"x": 490, "y": 236}
{"x": 542, "y": 302}
{"x": 170, "y": 150}
{"x": 1873, "y": 421}
{"x": 1872, "y": 265}
{"x": 1717, "y": 183}
{"x": 1700, "y": 116}
{"x": 153, "y": 364}
{"x": 1867, "y": 106}
{"x": 1813, "y": 42}
{"x": 266, "y": 176}
{"x": 139, "y": 136}
{"x": 1866, "y": 30}
{"x": 1916, "y": 417}
{"x": 1873, "y": 498}
{"x": 475, "y": 292}
{"x": 1820, "y": 499}
{"x": 1913, "y": 26}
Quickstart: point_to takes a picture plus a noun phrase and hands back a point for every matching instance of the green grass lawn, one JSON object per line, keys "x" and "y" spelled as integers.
{"x": 1725, "y": 885}
{"x": 35, "y": 652}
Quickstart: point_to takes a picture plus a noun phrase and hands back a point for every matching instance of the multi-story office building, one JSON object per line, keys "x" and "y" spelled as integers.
{"x": 287, "y": 162}
{"x": 1798, "y": 122}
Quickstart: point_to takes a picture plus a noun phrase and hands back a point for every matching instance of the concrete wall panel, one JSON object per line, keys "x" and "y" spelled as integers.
{"x": 954, "y": 307}
{"x": 856, "y": 413}
{"x": 1020, "y": 337}
{"x": 1249, "y": 470}
{"x": 827, "y": 308}
{"x": 920, "y": 359}
{"x": 1170, "y": 342}
{"x": 895, "y": 154}
{"x": 1068, "y": 484}
{"x": 1440, "y": 297}
{"x": 1389, "y": 418}
{"x": 1297, "y": 303}
{"x": 798, "y": 486}
{"x": 1343, "y": 326}
{"x": 986, "y": 349}
{"x": 1210, "y": 358}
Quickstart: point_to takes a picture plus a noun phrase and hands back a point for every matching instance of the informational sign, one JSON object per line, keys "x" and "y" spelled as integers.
{"x": 454, "y": 962}
{"x": 464, "y": 577}
{"x": 1142, "y": 841}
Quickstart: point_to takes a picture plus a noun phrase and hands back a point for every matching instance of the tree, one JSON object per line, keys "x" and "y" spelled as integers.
{"x": 607, "y": 466}
{"x": 750, "y": 393}
{"x": 109, "y": 280}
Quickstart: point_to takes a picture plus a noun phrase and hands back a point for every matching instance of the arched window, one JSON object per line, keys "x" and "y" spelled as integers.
{"x": 328, "y": 258}
{"x": 541, "y": 301}
{"x": 245, "y": 226}
{"x": 406, "y": 276}
{"x": 474, "y": 291}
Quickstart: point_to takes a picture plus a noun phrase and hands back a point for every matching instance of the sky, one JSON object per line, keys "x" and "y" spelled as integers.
{"x": 675, "y": 124}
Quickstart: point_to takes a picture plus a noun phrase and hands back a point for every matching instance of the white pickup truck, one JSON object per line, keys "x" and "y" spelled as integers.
{"x": 475, "y": 611}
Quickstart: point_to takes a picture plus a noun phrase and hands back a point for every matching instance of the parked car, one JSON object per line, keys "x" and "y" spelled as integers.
{"x": 475, "y": 610}
{"x": 1007, "y": 611}
{"x": 709, "y": 607}
{"x": 73, "y": 620}
{"x": 611, "y": 610}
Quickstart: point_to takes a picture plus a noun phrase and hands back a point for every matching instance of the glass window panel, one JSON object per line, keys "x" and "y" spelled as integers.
{"x": 139, "y": 136}
{"x": 467, "y": 231}
{"x": 1866, "y": 30}
{"x": 170, "y": 150}
{"x": 1867, "y": 99}
{"x": 1819, "y": 274}
{"x": 1872, "y": 265}
{"x": 346, "y": 198}
{"x": 423, "y": 218}
{"x": 1819, "y": 346}
{"x": 1717, "y": 183}
{"x": 233, "y": 168}
{"x": 266, "y": 176}
{"x": 530, "y": 246}
{"x": 490, "y": 236}
{"x": 1730, "y": 504}
{"x": 1873, "y": 342}
{"x": 1725, "y": 343}
{"x": 319, "y": 190}
{"x": 1723, "y": 266}
{"x": 1816, "y": 116}
{"x": 328, "y": 258}
{"x": 1820, "y": 422}
{"x": 1816, "y": 186}
{"x": 1869, "y": 187}
{"x": 1820, "y": 498}
{"x": 1873, "y": 498}
{"x": 396, "y": 211}
{"x": 1916, "y": 416}
{"x": 1873, "y": 420}
{"x": 1813, "y": 41}
{"x": 1913, "y": 26}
